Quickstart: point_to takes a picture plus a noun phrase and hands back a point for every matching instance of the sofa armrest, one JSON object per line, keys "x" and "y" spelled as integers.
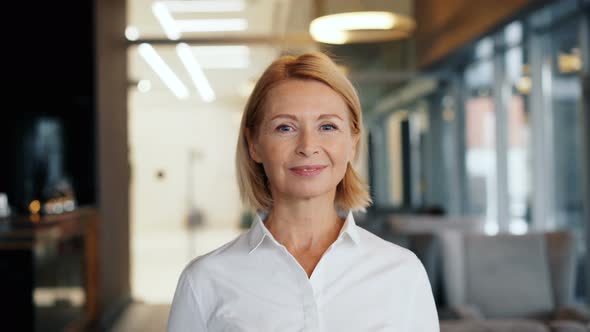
{"x": 577, "y": 313}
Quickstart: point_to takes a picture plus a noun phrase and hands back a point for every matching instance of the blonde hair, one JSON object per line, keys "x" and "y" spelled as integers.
{"x": 352, "y": 192}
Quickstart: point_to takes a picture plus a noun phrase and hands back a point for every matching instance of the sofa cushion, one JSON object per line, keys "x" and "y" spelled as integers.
{"x": 507, "y": 276}
{"x": 561, "y": 250}
{"x": 493, "y": 325}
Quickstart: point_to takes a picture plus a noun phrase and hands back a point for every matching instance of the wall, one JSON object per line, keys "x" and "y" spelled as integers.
{"x": 162, "y": 139}
{"x": 113, "y": 165}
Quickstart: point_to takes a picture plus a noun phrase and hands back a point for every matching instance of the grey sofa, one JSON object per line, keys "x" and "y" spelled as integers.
{"x": 508, "y": 277}
{"x": 476, "y": 283}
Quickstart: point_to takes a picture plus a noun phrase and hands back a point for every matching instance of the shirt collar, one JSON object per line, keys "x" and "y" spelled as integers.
{"x": 258, "y": 230}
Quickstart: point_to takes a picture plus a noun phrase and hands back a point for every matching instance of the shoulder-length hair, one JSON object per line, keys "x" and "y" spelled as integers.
{"x": 352, "y": 192}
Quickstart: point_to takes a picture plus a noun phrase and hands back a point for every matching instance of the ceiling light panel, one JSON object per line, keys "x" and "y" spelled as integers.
{"x": 168, "y": 77}
{"x": 196, "y": 72}
{"x": 166, "y": 20}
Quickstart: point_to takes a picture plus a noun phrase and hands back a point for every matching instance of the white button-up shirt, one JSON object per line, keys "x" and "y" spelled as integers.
{"x": 253, "y": 284}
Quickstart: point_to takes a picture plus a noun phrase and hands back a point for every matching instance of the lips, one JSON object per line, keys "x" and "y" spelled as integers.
{"x": 307, "y": 170}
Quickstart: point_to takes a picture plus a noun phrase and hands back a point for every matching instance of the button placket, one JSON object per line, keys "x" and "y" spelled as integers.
{"x": 309, "y": 305}
{"x": 311, "y": 314}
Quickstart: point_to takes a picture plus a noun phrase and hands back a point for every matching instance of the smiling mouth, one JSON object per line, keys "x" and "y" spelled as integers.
{"x": 307, "y": 170}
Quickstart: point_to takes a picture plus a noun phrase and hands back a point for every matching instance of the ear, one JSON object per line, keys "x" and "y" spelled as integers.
{"x": 252, "y": 146}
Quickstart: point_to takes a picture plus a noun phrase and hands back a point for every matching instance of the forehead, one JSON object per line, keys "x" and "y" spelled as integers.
{"x": 297, "y": 96}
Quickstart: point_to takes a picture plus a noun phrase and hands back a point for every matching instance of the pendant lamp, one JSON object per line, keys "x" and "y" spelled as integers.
{"x": 356, "y": 21}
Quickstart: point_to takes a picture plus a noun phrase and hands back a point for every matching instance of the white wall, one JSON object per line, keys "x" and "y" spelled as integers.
{"x": 161, "y": 138}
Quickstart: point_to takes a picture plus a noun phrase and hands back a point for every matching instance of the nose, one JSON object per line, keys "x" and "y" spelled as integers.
{"x": 307, "y": 144}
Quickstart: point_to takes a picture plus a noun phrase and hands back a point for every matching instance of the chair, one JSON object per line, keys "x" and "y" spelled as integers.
{"x": 510, "y": 277}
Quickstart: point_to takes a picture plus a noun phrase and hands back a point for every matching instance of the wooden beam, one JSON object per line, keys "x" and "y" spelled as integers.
{"x": 445, "y": 26}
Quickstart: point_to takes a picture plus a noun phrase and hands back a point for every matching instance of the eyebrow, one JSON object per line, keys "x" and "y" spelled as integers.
{"x": 292, "y": 117}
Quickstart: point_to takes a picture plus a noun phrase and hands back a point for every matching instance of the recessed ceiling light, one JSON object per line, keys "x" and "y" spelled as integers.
{"x": 131, "y": 33}
{"x": 166, "y": 74}
{"x": 144, "y": 86}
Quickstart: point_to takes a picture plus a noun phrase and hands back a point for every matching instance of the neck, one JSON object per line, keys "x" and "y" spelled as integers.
{"x": 304, "y": 226}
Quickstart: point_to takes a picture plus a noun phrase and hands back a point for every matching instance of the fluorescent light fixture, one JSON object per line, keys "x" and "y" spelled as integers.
{"x": 166, "y": 20}
{"x": 166, "y": 74}
{"x": 131, "y": 33}
{"x": 339, "y": 28}
{"x": 194, "y": 69}
{"x": 206, "y": 25}
{"x": 230, "y": 56}
{"x": 205, "y": 6}
{"x": 144, "y": 86}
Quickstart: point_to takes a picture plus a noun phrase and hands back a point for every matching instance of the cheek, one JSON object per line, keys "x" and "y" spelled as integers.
{"x": 342, "y": 151}
{"x": 273, "y": 157}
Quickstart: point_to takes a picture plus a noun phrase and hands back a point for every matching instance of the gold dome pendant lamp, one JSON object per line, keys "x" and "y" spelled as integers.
{"x": 356, "y": 21}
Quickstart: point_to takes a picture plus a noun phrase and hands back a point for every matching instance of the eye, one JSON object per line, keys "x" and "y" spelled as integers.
{"x": 284, "y": 128}
{"x": 328, "y": 127}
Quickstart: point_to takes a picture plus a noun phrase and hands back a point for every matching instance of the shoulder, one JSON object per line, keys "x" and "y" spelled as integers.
{"x": 199, "y": 269}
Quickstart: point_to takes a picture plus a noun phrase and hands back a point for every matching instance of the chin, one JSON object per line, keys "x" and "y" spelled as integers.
{"x": 310, "y": 193}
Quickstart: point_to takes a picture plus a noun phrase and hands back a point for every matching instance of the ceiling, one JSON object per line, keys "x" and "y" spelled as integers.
{"x": 268, "y": 21}
{"x": 274, "y": 27}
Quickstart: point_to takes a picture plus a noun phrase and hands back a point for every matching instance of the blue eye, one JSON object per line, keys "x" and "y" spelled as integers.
{"x": 328, "y": 127}
{"x": 284, "y": 128}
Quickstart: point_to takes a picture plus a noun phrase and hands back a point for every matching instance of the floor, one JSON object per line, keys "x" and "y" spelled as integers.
{"x": 159, "y": 253}
{"x": 140, "y": 317}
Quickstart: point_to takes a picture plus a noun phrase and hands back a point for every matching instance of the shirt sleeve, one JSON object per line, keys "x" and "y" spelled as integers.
{"x": 185, "y": 314}
{"x": 422, "y": 313}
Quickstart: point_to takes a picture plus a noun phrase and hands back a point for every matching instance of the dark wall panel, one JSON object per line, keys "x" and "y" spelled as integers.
{"x": 47, "y": 126}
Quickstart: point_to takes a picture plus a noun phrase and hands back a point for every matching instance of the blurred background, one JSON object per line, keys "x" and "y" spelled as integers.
{"x": 121, "y": 121}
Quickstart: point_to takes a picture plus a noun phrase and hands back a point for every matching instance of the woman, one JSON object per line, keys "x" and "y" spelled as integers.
{"x": 303, "y": 265}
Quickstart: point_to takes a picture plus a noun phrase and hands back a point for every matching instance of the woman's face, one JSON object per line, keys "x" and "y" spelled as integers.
{"x": 305, "y": 140}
